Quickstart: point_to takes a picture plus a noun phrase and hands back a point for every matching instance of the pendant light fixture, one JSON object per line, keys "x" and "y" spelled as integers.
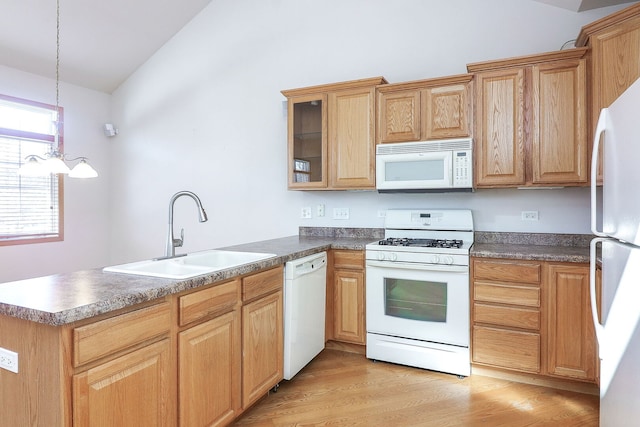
{"x": 54, "y": 161}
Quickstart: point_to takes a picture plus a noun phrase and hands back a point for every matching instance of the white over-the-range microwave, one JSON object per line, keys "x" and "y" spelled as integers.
{"x": 425, "y": 166}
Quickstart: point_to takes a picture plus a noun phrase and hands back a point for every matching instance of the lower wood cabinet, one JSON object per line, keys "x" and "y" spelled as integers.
{"x": 533, "y": 317}
{"x": 115, "y": 368}
{"x": 209, "y": 356}
{"x": 349, "y": 296}
{"x": 197, "y": 358}
{"x": 506, "y": 328}
{"x": 262, "y": 334}
{"x": 571, "y": 343}
{"x": 507, "y": 348}
{"x": 131, "y": 390}
{"x": 209, "y": 372}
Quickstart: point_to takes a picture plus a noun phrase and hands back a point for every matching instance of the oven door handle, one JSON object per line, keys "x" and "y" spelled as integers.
{"x": 419, "y": 266}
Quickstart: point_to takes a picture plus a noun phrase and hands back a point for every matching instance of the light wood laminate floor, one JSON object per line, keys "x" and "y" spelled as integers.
{"x": 346, "y": 389}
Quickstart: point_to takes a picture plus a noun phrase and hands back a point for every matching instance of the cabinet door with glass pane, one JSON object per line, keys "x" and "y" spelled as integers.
{"x": 307, "y": 138}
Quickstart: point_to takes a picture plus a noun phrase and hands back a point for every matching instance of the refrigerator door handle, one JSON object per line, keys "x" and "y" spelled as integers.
{"x": 599, "y": 328}
{"x": 600, "y": 128}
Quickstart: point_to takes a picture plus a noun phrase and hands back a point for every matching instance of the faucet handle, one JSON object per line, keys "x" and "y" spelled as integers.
{"x": 177, "y": 243}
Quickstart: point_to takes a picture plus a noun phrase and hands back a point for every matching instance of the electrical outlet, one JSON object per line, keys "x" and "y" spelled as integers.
{"x": 340, "y": 213}
{"x": 382, "y": 214}
{"x": 529, "y": 215}
{"x": 9, "y": 360}
{"x": 320, "y": 210}
{"x": 305, "y": 212}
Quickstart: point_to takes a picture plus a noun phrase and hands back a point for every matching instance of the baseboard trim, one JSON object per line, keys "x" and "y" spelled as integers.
{"x": 560, "y": 384}
{"x": 347, "y": 347}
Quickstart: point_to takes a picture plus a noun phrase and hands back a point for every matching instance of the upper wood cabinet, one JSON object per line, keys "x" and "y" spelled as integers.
{"x": 614, "y": 58}
{"x": 352, "y": 153}
{"x": 307, "y": 136}
{"x": 531, "y": 120}
{"x": 424, "y": 109}
{"x": 499, "y": 150}
{"x": 331, "y": 135}
{"x": 560, "y": 148}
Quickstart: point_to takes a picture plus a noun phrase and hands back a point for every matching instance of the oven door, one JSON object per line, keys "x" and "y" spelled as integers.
{"x": 418, "y": 301}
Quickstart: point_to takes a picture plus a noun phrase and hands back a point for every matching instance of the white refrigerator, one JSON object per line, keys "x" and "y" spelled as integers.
{"x": 618, "y": 231}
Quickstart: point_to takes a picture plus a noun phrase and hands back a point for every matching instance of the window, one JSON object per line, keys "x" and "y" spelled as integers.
{"x": 30, "y": 207}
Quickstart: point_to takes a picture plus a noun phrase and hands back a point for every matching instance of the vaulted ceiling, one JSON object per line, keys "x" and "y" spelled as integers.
{"x": 582, "y": 5}
{"x": 103, "y": 42}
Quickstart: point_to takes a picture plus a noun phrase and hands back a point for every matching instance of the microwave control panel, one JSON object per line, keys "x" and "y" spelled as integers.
{"x": 462, "y": 169}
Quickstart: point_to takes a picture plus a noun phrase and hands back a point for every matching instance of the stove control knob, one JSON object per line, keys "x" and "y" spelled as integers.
{"x": 435, "y": 259}
{"x": 448, "y": 260}
{"x": 381, "y": 256}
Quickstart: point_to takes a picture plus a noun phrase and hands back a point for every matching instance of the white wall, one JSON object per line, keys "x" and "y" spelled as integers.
{"x": 205, "y": 113}
{"x": 85, "y": 243}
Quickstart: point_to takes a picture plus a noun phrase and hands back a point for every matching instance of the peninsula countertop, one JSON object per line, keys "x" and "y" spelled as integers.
{"x": 68, "y": 297}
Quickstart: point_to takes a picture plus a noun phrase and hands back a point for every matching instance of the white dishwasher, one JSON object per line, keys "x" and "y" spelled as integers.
{"x": 304, "y": 307}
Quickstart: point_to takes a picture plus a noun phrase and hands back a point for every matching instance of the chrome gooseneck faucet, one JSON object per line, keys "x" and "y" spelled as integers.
{"x": 172, "y": 242}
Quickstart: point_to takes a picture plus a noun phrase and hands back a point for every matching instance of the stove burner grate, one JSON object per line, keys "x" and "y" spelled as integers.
{"x": 424, "y": 243}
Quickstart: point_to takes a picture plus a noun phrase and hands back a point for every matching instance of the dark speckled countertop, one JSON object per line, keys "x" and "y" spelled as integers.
{"x": 65, "y": 298}
{"x": 532, "y": 246}
{"x": 68, "y": 297}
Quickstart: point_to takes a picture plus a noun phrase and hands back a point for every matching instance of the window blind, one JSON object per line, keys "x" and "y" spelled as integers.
{"x": 30, "y": 207}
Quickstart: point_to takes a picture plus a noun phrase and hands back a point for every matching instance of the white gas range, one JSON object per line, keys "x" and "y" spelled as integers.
{"x": 417, "y": 290}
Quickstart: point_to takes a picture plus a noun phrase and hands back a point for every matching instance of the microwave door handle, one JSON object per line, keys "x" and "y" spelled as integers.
{"x": 600, "y": 128}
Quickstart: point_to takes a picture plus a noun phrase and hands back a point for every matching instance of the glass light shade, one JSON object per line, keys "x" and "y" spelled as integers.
{"x": 56, "y": 165}
{"x": 32, "y": 167}
{"x": 83, "y": 170}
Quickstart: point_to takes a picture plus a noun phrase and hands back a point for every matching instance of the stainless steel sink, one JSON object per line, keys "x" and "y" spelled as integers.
{"x": 191, "y": 265}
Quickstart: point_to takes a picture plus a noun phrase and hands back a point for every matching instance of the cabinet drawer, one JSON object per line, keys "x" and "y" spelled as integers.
{"x": 506, "y": 349}
{"x": 348, "y": 259}
{"x": 507, "y": 271}
{"x": 507, "y": 294}
{"x": 515, "y": 317}
{"x": 102, "y": 338}
{"x": 200, "y": 304}
{"x": 262, "y": 283}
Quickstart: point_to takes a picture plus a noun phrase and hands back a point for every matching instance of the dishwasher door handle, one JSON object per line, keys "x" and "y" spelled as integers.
{"x": 310, "y": 266}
